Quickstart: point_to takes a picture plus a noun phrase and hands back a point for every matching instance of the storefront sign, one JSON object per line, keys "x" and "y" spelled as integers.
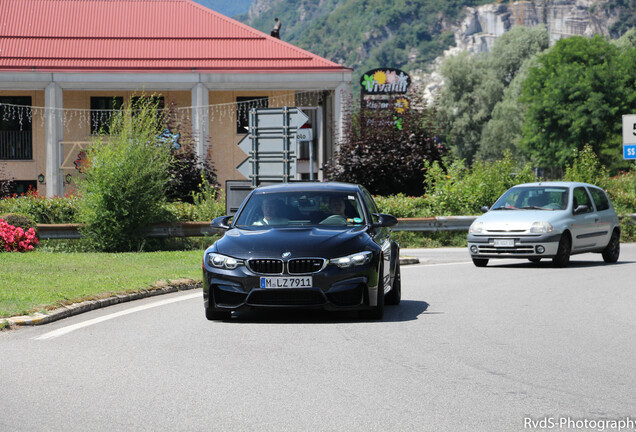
{"x": 385, "y": 81}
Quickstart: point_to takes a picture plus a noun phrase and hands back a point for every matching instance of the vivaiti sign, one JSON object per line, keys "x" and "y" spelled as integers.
{"x": 385, "y": 81}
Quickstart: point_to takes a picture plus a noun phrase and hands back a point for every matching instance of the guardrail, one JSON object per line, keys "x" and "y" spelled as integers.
{"x": 200, "y": 229}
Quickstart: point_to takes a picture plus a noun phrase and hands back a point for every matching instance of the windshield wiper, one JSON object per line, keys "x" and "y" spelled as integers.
{"x": 533, "y": 208}
{"x": 506, "y": 208}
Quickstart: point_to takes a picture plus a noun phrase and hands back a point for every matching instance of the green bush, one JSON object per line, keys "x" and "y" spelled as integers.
{"x": 587, "y": 168}
{"x": 621, "y": 191}
{"x": 18, "y": 220}
{"x": 460, "y": 190}
{"x": 41, "y": 209}
{"x": 123, "y": 191}
{"x": 402, "y": 206}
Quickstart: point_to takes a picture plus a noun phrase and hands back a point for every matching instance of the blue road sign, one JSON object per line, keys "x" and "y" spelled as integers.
{"x": 629, "y": 151}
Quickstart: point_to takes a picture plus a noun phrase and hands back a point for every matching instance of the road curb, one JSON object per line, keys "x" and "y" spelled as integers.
{"x": 160, "y": 288}
{"x": 89, "y": 305}
{"x": 409, "y": 260}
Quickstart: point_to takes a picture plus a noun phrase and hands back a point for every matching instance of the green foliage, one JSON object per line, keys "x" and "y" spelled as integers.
{"x": 459, "y": 190}
{"x": 478, "y": 103}
{"x": 432, "y": 239}
{"x": 125, "y": 180}
{"x": 402, "y": 206}
{"x": 587, "y": 168}
{"x": 575, "y": 96}
{"x": 621, "y": 189}
{"x": 188, "y": 172}
{"x": 384, "y": 150}
{"x": 207, "y": 204}
{"x": 366, "y": 34}
{"x": 41, "y": 209}
{"x": 466, "y": 101}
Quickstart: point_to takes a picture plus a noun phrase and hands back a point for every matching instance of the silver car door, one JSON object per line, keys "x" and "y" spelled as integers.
{"x": 606, "y": 216}
{"x": 584, "y": 232}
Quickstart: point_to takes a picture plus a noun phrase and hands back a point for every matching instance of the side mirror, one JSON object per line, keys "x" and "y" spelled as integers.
{"x": 484, "y": 209}
{"x": 384, "y": 220}
{"x": 581, "y": 209}
{"x": 222, "y": 222}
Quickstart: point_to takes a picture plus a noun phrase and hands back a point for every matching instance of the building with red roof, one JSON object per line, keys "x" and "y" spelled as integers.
{"x": 64, "y": 63}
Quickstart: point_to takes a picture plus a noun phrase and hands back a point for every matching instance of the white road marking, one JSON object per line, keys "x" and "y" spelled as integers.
{"x": 65, "y": 330}
{"x": 424, "y": 264}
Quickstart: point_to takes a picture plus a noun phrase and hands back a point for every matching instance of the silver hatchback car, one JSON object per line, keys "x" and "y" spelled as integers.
{"x": 546, "y": 220}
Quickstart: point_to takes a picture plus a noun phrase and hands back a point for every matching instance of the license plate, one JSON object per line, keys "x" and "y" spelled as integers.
{"x": 504, "y": 243}
{"x": 286, "y": 282}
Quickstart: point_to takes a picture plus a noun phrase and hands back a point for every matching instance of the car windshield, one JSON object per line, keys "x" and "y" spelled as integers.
{"x": 533, "y": 198}
{"x": 301, "y": 209}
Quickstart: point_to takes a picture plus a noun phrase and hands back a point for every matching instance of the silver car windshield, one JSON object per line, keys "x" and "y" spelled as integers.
{"x": 284, "y": 209}
{"x": 533, "y": 198}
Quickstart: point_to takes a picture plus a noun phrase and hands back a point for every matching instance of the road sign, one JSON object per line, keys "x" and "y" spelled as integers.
{"x": 629, "y": 151}
{"x": 271, "y": 144}
{"x": 629, "y": 136}
{"x": 304, "y": 134}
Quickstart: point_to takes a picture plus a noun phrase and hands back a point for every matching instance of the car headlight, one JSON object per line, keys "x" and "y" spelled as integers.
{"x": 355, "y": 259}
{"x": 541, "y": 228}
{"x": 222, "y": 261}
{"x": 476, "y": 227}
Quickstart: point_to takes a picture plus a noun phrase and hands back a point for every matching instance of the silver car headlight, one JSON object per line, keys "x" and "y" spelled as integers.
{"x": 222, "y": 261}
{"x": 476, "y": 227}
{"x": 541, "y": 228}
{"x": 355, "y": 259}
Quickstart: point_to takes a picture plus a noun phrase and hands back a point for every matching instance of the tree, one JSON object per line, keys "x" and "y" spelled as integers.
{"x": 385, "y": 150}
{"x": 125, "y": 180}
{"x": 503, "y": 131}
{"x": 514, "y": 48}
{"x": 471, "y": 90}
{"x": 575, "y": 96}
{"x": 480, "y": 113}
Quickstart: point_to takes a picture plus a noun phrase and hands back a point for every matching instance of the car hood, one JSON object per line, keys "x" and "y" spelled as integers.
{"x": 514, "y": 220}
{"x": 299, "y": 241}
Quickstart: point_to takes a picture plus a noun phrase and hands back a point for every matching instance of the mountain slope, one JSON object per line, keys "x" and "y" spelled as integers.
{"x": 363, "y": 34}
{"x": 406, "y": 34}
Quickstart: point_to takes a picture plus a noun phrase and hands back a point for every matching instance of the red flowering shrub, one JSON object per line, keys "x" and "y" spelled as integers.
{"x": 14, "y": 239}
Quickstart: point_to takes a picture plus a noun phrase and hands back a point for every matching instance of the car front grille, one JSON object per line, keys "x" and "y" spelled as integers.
{"x": 518, "y": 249}
{"x": 305, "y": 265}
{"x": 266, "y": 266}
{"x": 286, "y": 297}
{"x": 295, "y": 266}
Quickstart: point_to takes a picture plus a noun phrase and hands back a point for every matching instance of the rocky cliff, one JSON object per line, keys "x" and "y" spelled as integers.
{"x": 482, "y": 25}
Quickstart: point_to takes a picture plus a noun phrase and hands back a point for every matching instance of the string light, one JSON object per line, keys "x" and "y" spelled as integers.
{"x": 96, "y": 117}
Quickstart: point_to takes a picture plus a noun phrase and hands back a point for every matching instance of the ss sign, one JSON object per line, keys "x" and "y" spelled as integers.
{"x": 629, "y": 136}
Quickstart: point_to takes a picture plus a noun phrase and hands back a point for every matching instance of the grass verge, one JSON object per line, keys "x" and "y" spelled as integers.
{"x": 39, "y": 281}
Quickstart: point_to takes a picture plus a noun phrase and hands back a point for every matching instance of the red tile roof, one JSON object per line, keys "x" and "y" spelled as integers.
{"x": 140, "y": 35}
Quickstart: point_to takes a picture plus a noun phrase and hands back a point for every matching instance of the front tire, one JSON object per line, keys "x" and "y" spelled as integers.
{"x": 613, "y": 248}
{"x": 395, "y": 295}
{"x": 562, "y": 257}
{"x": 377, "y": 312}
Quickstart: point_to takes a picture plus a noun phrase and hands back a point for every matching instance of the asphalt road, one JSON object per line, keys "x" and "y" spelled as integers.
{"x": 501, "y": 348}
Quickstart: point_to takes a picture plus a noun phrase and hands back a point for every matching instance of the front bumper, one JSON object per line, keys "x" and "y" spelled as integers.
{"x": 333, "y": 288}
{"x": 525, "y": 246}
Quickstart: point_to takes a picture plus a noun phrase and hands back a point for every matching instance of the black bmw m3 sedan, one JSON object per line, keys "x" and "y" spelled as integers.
{"x": 303, "y": 245}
